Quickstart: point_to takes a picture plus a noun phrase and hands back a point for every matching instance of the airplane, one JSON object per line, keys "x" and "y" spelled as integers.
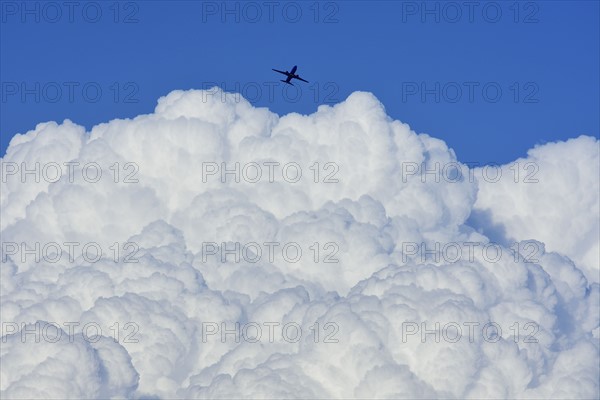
{"x": 290, "y": 75}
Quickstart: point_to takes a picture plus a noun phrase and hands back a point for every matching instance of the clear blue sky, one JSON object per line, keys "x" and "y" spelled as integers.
{"x": 543, "y": 56}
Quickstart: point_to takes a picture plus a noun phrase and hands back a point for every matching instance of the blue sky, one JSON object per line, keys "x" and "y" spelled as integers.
{"x": 437, "y": 66}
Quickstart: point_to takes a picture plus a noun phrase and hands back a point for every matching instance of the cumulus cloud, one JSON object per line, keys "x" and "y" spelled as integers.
{"x": 552, "y": 196}
{"x": 213, "y": 249}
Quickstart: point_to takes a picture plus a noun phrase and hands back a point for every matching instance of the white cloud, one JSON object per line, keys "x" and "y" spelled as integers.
{"x": 552, "y": 196}
{"x": 363, "y": 325}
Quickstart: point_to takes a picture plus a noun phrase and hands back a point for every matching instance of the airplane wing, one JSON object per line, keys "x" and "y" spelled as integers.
{"x": 303, "y": 80}
{"x": 281, "y": 72}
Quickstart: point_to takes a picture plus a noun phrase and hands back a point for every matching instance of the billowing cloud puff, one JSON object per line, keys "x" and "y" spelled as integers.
{"x": 212, "y": 249}
{"x": 552, "y": 196}
{"x": 44, "y": 361}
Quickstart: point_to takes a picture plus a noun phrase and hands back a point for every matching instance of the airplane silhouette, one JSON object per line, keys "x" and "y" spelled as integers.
{"x": 290, "y": 75}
